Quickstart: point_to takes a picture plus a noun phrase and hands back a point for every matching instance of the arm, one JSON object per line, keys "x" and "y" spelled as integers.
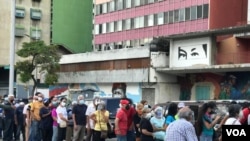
{"x": 211, "y": 125}
{"x": 44, "y": 115}
{"x": 146, "y": 132}
{"x": 62, "y": 118}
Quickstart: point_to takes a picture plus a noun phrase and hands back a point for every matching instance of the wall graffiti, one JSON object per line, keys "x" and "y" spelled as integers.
{"x": 234, "y": 85}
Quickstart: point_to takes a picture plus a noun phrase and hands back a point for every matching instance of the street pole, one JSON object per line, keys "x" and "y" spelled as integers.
{"x": 12, "y": 46}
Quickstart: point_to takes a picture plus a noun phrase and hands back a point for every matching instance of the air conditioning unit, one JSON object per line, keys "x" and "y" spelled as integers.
{"x": 35, "y": 14}
{"x": 20, "y": 13}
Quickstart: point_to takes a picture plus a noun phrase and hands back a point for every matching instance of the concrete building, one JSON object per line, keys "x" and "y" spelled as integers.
{"x": 32, "y": 22}
{"x": 207, "y": 57}
{"x": 53, "y": 21}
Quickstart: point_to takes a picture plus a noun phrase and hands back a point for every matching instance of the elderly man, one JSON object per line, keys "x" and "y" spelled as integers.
{"x": 79, "y": 119}
{"x": 182, "y": 129}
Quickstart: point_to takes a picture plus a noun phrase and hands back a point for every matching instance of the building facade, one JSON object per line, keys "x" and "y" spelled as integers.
{"x": 207, "y": 56}
{"x": 32, "y": 22}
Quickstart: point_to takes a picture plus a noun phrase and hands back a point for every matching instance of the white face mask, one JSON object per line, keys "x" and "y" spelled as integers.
{"x": 241, "y": 114}
{"x": 39, "y": 99}
{"x": 63, "y": 104}
{"x": 117, "y": 95}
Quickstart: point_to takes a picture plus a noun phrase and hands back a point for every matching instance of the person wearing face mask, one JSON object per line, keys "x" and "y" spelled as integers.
{"x": 8, "y": 120}
{"x": 79, "y": 119}
{"x": 62, "y": 119}
{"x": 54, "y": 117}
{"x": 146, "y": 128}
{"x": 101, "y": 119}
{"x": 137, "y": 120}
{"x": 182, "y": 129}
{"x": 121, "y": 121}
{"x": 46, "y": 120}
{"x": 158, "y": 123}
{"x": 35, "y": 132}
{"x": 90, "y": 123}
{"x": 205, "y": 123}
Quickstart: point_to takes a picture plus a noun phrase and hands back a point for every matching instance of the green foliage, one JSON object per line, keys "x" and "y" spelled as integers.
{"x": 37, "y": 54}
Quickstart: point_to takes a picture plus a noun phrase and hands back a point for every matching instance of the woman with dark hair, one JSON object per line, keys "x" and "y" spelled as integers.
{"x": 62, "y": 119}
{"x": 172, "y": 111}
{"x": 205, "y": 124}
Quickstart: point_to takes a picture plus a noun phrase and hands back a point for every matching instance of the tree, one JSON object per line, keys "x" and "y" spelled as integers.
{"x": 36, "y": 55}
{"x": 160, "y": 44}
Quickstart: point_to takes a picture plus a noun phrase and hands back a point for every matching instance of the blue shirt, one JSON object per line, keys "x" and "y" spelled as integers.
{"x": 158, "y": 123}
{"x": 169, "y": 119}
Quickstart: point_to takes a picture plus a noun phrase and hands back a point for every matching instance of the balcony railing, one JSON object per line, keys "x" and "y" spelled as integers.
{"x": 233, "y": 58}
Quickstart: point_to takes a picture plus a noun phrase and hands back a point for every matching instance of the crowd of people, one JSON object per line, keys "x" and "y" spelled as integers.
{"x": 51, "y": 119}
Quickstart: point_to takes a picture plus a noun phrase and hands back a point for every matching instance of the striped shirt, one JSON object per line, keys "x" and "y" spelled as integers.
{"x": 180, "y": 130}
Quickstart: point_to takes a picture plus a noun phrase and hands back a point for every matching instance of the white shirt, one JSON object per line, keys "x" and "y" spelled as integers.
{"x": 25, "y": 109}
{"x": 90, "y": 110}
{"x": 232, "y": 121}
{"x": 63, "y": 111}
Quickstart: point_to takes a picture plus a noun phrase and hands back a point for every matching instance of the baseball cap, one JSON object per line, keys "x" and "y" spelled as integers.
{"x": 124, "y": 102}
{"x": 181, "y": 105}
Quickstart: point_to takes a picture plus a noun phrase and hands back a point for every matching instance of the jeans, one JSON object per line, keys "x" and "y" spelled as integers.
{"x": 89, "y": 135}
{"x": 55, "y": 133}
{"x": 20, "y": 129}
{"x": 131, "y": 135}
{"x": 206, "y": 137}
{"x": 35, "y": 132}
{"x": 8, "y": 129}
{"x": 121, "y": 137}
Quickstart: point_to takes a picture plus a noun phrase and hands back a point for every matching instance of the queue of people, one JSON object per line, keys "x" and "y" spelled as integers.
{"x": 51, "y": 119}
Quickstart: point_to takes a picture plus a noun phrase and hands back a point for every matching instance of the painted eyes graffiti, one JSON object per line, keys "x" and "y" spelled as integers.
{"x": 192, "y": 52}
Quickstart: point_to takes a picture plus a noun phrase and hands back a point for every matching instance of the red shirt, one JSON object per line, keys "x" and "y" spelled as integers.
{"x": 123, "y": 121}
{"x": 130, "y": 114}
{"x": 245, "y": 111}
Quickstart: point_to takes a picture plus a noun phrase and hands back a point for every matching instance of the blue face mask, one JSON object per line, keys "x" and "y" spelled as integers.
{"x": 158, "y": 114}
{"x": 81, "y": 102}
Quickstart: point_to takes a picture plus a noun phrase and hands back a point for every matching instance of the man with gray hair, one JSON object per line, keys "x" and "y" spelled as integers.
{"x": 182, "y": 129}
{"x": 79, "y": 119}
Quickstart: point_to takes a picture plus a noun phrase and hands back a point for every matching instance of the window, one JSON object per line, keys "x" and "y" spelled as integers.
{"x": 111, "y": 6}
{"x": 160, "y": 19}
{"x": 119, "y": 4}
{"x": 119, "y": 23}
{"x": 127, "y": 44}
{"x": 132, "y": 23}
{"x": 107, "y": 26}
{"x": 137, "y": 2}
{"x": 19, "y": 30}
{"x": 127, "y": 24}
{"x": 193, "y": 12}
{"x": 100, "y": 28}
{"x": 182, "y": 14}
{"x": 104, "y": 8}
{"x": 104, "y": 28}
{"x": 171, "y": 17}
{"x": 35, "y": 33}
{"x": 151, "y": 1}
{"x": 128, "y": 3}
{"x": 97, "y": 29}
{"x": 151, "y": 20}
{"x": 205, "y": 11}
{"x": 115, "y": 26}
{"x": 111, "y": 27}
{"x": 97, "y": 9}
{"x": 176, "y": 15}
{"x": 137, "y": 22}
{"x": 141, "y": 22}
{"x": 187, "y": 14}
{"x": 165, "y": 17}
{"x": 199, "y": 11}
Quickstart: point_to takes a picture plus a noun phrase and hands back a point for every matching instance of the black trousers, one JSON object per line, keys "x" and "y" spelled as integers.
{"x": 61, "y": 134}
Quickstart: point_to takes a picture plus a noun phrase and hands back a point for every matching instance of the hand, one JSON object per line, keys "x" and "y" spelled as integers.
{"x": 75, "y": 127}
